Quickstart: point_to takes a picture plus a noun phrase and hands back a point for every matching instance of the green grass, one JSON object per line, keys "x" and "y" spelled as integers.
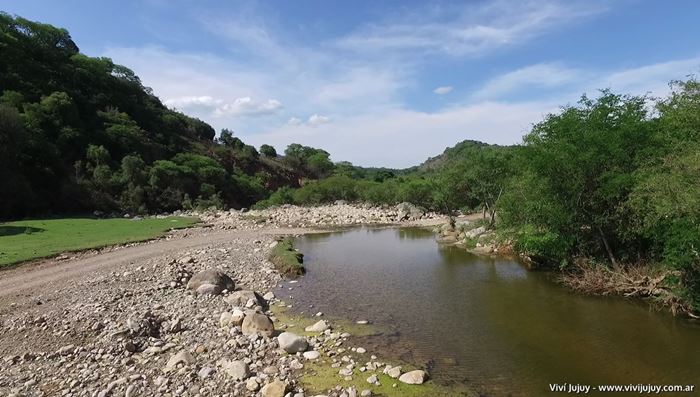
{"x": 286, "y": 259}
{"x": 319, "y": 377}
{"x": 25, "y": 240}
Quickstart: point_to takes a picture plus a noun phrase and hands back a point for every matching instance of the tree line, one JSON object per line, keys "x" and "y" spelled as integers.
{"x": 614, "y": 179}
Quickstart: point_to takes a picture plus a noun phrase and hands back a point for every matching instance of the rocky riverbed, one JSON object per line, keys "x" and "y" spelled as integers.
{"x": 183, "y": 321}
{"x": 337, "y": 215}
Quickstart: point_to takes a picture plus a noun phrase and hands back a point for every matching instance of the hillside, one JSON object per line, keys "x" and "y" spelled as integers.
{"x": 79, "y": 134}
{"x": 459, "y": 152}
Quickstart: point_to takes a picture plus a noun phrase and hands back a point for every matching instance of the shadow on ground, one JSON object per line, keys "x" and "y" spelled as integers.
{"x": 15, "y": 230}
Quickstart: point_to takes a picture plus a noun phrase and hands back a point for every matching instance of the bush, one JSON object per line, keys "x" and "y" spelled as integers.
{"x": 336, "y": 187}
{"x": 542, "y": 246}
{"x": 681, "y": 251}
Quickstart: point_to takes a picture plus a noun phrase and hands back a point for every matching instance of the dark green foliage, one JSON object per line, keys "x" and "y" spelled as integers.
{"x": 268, "y": 151}
{"x": 79, "y": 134}
{"x": 309, "y": 161}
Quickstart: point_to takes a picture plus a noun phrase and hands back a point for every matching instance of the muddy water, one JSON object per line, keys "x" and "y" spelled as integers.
{"x": 489, "y": 322}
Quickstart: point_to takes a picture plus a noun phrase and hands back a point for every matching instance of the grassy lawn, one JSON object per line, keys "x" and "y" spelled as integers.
{"x": 24, "y": 240}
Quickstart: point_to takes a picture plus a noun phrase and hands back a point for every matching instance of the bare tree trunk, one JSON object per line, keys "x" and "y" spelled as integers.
{"x": 607, "y": 247}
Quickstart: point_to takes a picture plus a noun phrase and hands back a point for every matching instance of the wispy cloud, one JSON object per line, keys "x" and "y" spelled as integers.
{"x": 443, "y": 90}
{"x": 540, "y": 75}
{"x": 317, "y": 119}
{"x": 359, "y": 107}
{"x": 469, "y": 30}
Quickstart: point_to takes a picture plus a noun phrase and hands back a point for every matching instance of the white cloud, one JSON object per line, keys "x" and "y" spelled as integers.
{"x": 244, "y": 106}
{"x": 443, "y": 90}
{"x": 401, "y": 137}
{"x": 247, "y": 106}
{"x": 317, "y": 119}
{"x": 469, "y": 30}
{"x": 294, "y": 121}
{"x": 644, "y": 79}
{"x": 541, "y": 75}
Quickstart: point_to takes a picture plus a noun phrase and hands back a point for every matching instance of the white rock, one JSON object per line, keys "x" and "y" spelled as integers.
{"x": 292, "y": 343}
{"x": 318, "y": 327}
{"x": 416, "y": 377}
{"x": 238, "y": 369}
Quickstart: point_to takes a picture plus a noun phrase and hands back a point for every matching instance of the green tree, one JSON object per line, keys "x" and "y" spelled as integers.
{"x": 268, "y": 151}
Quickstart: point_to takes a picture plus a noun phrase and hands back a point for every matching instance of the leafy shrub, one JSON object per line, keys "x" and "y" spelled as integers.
{"x": 542, "y": 246}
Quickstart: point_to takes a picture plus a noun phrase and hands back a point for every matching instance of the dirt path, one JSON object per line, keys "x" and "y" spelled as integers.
{"x": 27, "y": 278}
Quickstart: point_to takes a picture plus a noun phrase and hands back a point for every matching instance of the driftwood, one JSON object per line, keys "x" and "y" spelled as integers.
{"x": 629, "y": 281}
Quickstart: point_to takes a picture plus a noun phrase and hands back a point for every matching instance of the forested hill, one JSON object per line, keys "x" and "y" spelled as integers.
{"x": 453, "y": 155}
{"x": 79, "y": 134}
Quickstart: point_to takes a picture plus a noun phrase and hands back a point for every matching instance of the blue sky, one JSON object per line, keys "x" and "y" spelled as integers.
{"x": 385, "y": 83}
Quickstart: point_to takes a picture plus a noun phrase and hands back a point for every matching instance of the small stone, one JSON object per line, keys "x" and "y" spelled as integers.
{"x": 224, "y": 319}
{"x": 183, "y": 357}
{"x": 393, "y": 372}
{"x": 346, "y": 372}
{"x": 66, "y": 350}
{"x": 292, "y": 343}
{"x": 238, "y": 370}
{"x": 366, "y": 393}
{"x": 274, "y": 389}
{"x": 129, "y": 346}
{"x": 318, "y": 327}
{"x": 205, "y": 372}
{"x": 252, "y": 384}
{"x": 312, "y": 355}
{"x": 361, "y": 350}
{"x": 372, "y": 379}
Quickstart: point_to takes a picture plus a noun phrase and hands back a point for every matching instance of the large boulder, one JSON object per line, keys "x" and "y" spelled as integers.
{"x": 257, "y": 323}
{"x": 210, "y": 281}
{"x": 409, "y": 211}
{"x": 292, "y": 343}
{"x": 416, "y": 377}
{"x": 245, "y": 298}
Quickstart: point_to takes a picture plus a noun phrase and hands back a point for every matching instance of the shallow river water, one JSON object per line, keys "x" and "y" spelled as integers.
{"x": 489, "y": 322}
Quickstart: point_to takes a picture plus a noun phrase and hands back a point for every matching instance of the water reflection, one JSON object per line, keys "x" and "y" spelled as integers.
{"x": 490, "y": 320}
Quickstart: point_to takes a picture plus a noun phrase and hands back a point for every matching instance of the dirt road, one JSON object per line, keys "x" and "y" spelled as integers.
{"x": 24, "y": 279}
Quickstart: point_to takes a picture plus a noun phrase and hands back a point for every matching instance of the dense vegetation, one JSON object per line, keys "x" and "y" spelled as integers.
{"x": 615, "y": 179}
{"x": 79, "y": 134}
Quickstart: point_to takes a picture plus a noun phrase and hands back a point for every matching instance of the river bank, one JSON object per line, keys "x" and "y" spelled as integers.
{"x": 129, "y": 321}
{"x": 645, "y": 281}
